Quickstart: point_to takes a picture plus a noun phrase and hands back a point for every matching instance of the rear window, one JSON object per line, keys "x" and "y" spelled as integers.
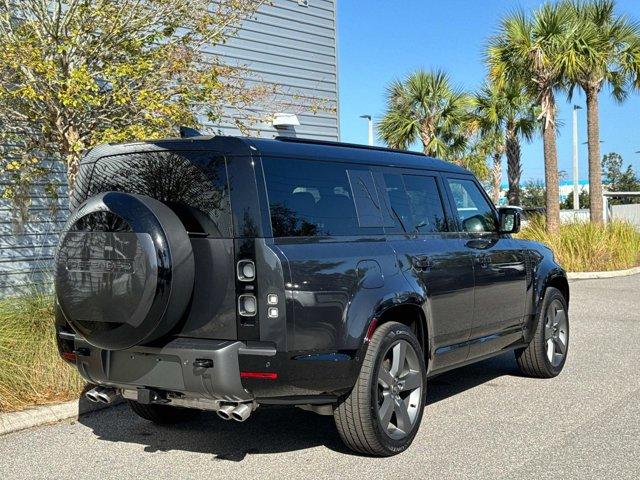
{"x": 193, "y": 184}
{"x": 309, "y": 198}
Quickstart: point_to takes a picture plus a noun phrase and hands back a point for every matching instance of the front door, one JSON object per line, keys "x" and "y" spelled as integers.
{"x": 499, "y": 265}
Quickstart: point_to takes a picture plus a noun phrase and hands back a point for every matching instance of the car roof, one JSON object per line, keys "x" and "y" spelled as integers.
{"x": 285, "y": 147}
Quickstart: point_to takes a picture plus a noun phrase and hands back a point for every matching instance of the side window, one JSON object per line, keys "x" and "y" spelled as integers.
{"x": 474, "y": 211}
{"x": 416, "y": 203}
{"x": 309, "y": 198}
{"x": 425, "y": 203}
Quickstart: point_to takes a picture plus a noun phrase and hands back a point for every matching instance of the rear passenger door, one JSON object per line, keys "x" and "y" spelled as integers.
{"x": 500, "y": 275}
{"x": 433, "y": 259}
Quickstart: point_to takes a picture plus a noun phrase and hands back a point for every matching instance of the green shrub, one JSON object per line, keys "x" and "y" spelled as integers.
{"x": 31, "y": 372}
{"x": 588, "y": 247}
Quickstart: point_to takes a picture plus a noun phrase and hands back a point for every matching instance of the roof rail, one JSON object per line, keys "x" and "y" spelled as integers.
{"x": 343, "y": 144}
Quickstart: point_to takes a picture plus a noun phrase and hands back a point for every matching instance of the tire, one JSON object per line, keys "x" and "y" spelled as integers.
{"x": 552, "y": 331}
{"x": 163, "y": 414}
{"x": 357, "y": 417}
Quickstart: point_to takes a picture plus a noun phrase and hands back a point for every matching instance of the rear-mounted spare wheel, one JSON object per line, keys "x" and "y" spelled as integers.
{"x": 124, "y": 270}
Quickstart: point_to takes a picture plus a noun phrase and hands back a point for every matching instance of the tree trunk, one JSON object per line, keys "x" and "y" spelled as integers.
{"x": 514, "y": 167}
{"x": 496, "y": 177}
{"x": 551, "y": 173}
{"x": 595, "y": 167}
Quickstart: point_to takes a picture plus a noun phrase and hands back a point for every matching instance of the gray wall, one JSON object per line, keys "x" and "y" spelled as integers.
{"x": 287, "y": 44}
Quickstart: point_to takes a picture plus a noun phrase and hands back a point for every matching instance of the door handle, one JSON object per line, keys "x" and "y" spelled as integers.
{"x": 421, "y": 262}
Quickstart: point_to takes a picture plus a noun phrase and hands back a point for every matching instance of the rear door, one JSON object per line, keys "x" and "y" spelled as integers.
{"x": 500, "y": 274}
{"x": 433, "y": 258}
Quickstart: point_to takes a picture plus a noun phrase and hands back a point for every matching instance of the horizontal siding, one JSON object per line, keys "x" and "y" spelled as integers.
{"x": 285, "y": 45}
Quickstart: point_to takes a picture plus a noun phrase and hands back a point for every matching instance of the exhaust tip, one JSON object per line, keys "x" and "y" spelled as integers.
{"x": 225, "y": 412}
{"x": 241, "y": 412}
{"x": 92, "y": 396}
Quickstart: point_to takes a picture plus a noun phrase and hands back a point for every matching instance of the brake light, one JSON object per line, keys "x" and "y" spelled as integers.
{"x": 260, "y": 375}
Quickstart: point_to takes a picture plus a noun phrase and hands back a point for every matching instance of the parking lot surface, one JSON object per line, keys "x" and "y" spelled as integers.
{"x": 482, "y": 421}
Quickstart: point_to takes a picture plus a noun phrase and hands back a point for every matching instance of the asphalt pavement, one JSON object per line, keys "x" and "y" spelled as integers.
{"x": 482, "y": 421}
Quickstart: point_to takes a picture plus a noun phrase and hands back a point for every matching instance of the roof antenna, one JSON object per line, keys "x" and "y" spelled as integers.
{"x": 188, "y": 132}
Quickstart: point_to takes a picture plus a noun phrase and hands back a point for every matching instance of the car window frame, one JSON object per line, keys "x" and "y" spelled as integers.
{"x": 452, "y": 203}
{"x": 379, "y": 172}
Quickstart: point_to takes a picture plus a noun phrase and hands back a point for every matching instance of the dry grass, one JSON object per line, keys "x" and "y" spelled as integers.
{"x": 31, "y": 372}
{"x": 587, "y": 247}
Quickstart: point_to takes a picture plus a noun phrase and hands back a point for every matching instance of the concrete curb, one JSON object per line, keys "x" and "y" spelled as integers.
{"x": 44, "y": 414}
{"x": 609, "y": 274}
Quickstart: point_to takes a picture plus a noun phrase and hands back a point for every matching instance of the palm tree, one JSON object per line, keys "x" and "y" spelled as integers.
{"x": 605, "y": 39}
{"x": 532, "y": 51}
{"x": 506, "y": 110}
{"x": 425, "y": 107}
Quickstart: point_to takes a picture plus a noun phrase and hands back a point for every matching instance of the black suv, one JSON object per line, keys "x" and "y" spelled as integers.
{"x": 223, "y": 273}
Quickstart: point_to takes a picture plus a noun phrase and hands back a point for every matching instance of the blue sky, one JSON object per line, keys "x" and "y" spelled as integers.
{"x": 380, "y": 40}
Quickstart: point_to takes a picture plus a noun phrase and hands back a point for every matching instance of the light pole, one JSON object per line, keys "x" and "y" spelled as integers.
{"x": 576, "y": 182}
{"x": 368, "y": 117}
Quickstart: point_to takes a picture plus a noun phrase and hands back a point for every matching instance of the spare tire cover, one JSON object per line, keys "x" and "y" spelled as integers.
{"x": 124, "y": 270}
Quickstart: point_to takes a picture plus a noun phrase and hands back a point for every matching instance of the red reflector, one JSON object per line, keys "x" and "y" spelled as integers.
{"x": 69, "y": 356}
{"x": 371, "y": 329}
{"x": 262, "y": 375}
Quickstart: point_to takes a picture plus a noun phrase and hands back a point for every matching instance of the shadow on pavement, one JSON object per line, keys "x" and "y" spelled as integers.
{"x": 270, "y": 429}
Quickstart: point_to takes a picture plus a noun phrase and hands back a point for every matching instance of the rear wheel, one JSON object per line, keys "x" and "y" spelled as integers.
{"x": 382, "y": 414}
{"x": 546, "y": 354}
{"x": 163, "y": 414}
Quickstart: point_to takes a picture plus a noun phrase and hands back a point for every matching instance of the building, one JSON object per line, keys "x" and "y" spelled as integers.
{"x": 289, "y": 43}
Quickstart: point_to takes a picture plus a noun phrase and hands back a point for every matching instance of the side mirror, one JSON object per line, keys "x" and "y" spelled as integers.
{"x": 510, "y": 218}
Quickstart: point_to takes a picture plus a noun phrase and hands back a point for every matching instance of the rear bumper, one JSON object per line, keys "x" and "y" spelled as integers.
{"x": 178, "y": 366}
{"x": 193, "y": 367}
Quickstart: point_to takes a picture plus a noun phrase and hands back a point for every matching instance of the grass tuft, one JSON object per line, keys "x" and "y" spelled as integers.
{"x": 31, "y": 372}
{"x": 588, "y": 247}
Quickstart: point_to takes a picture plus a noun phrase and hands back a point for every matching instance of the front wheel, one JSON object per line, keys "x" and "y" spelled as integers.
{"x": 546, "y": 354}
{"x": 382, "y": 414}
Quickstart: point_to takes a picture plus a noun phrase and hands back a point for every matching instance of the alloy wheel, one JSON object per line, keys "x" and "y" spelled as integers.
{"x": 556, "y": 332}
{"x": 400, "y": 384}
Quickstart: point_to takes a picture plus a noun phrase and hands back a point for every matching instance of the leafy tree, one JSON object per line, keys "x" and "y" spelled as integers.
{"x": 508, "y": 112}
{"x": 534, "y": 50}
{"x": 81, "y": 72}
{"x": 603, "y": 53}
{"x": 425, "y": 107}
{"x": 533, "y": 194}
{"x": 583, "y": 197}
{"x": 619, "y": 180}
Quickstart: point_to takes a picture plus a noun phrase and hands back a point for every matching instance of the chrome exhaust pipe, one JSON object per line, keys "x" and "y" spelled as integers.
{"x": 241, "y": 412}
{"x": 106, "y": 395}
{"x": 92, "y": 395}
{"x": 224, "y": 412}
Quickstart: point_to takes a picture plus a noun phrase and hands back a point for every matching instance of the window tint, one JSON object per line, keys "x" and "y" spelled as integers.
{"x": 415, "y": 202}
{"x": 425, "y": 203}
{"x": 365, "y": 197}
{"x": 193, "y": 184}
{"x": 474, "y": 211}
{"x": 315, "y": 199}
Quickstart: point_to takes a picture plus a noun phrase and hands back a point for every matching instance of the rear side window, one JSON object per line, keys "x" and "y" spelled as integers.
{"x": 416, "y": 202}
{"x": 309, "y": 198}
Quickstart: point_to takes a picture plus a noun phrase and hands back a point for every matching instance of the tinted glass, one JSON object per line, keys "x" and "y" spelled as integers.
{"x": 399, "y": 202}
{"x": 425, "y": 203}
{"x": 365, "y": 197}
{"x": 310, "y": 199}
{"x": 474, "y": 211}
{"x": 193, "y": 184}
